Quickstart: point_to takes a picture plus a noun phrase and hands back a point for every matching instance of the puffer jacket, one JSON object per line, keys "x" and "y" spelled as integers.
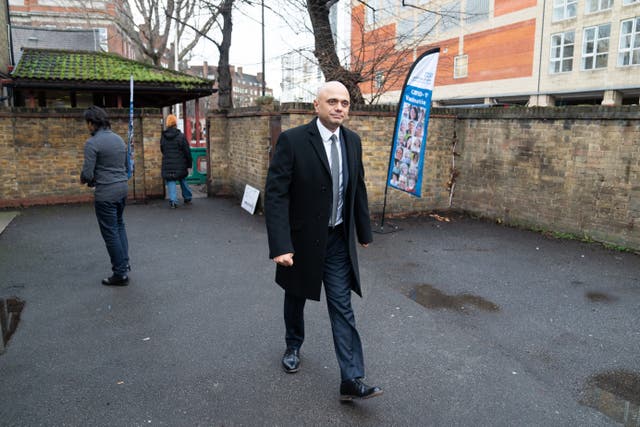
{"x": 176, "y": 155}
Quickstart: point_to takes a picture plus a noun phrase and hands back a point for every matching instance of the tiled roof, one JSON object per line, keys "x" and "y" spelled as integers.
{"x": 54, "y": 65}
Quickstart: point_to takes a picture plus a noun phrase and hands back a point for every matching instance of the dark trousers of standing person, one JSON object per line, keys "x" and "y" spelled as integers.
{"x": 337, "y": 285}
{"x": 111, "y": 222}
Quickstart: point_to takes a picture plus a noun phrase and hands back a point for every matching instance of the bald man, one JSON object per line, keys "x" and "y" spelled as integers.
{"x": 312, "y": 240}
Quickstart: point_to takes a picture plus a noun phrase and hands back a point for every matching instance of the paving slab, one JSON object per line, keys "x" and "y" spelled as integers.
{"x": 5, "y": 219}
{"x": 463, "y": 323}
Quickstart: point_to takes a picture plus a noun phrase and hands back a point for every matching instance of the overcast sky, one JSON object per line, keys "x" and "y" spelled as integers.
{"x": 246, "y": 44}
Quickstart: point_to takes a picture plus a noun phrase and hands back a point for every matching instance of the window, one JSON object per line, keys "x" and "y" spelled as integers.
{"x": 562, "y": 52}
{"x": 379, "y": 10}
{"x": 593, "y": 6}
{"x": 460, "y": 66}
{"x": 404, "y": 29}
{"x": 477, "y": 10}
{"x": 629, "y": 49}
{"x": 564, "y": 9}
{"x": 450, "y": 16}
{"x": 595, "y": 47}
{"x": 626, "y": 2}
{"x": 379, "y": 79}
{"x": 426, "y": 24}
{"x": 104, "y": 39}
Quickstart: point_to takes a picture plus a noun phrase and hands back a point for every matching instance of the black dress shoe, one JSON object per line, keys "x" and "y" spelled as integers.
{"x": 356, "y": 389}
{"x": 116, "y": 281}
{"x": 291, "y": 360}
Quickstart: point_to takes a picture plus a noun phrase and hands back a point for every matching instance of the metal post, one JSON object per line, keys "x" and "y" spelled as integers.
{"x": 264, "y": 79}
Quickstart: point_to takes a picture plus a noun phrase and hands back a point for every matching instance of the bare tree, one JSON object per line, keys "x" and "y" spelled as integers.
{"x": 379, "y": 57}
{"x": 151, "y": 26}
{"x": 325, "y": 49}
{"x": 193, "y": 20}
{"x": 223, "y": 24}
{"x": 225, "y": 94}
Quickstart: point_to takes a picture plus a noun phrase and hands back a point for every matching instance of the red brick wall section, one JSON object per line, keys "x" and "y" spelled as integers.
{"x": 500, "y": 53}
{"x": 503, "y": 7}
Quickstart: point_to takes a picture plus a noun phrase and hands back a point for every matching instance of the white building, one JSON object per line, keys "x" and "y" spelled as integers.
{"x": 301, "y": 74}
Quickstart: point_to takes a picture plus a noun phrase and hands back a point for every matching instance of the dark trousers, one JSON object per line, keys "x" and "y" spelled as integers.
{"x": 111, "y": 222}
{"x": 337, "y": 285}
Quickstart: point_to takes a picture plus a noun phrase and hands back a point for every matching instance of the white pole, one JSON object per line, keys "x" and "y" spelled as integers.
{"x": 176, "y": 66}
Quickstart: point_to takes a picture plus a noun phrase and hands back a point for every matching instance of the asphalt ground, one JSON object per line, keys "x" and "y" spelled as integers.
{"x": 464, "y": 323}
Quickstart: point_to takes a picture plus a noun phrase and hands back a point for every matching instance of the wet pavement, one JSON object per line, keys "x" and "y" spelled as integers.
{"x": 463, "y": 323}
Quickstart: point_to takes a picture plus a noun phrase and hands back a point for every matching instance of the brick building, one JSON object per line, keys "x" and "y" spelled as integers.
{"x": 104, "y": 17}
{"x": 246, "y": 87}
{"x": 532, "y": 52}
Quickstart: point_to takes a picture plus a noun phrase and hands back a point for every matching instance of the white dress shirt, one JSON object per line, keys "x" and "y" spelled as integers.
{"x": 325, "y": 134}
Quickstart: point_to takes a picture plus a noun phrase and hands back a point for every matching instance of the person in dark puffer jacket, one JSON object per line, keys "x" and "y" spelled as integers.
{"x": 176, "y": 160}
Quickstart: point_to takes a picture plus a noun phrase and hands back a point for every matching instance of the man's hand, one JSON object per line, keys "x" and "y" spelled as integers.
{"x": 364, "y": 245}
{"x": 286, "y": 260}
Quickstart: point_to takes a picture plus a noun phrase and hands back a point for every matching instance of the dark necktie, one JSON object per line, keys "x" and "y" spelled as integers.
{"x": 335, "y": 178}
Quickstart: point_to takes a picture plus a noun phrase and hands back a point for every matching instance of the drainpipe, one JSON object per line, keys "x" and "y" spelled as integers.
{"x": 544, "y": 9}
{"x": 11, "y": 56}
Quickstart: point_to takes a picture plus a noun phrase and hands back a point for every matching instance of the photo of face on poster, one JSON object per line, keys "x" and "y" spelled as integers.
{"x": 407, "y": 148}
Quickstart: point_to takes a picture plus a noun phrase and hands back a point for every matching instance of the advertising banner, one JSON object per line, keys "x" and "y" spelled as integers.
{"x": 410, "y": 136}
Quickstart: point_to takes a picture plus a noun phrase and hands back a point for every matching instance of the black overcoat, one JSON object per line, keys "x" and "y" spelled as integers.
{"x": 297, "y": 206}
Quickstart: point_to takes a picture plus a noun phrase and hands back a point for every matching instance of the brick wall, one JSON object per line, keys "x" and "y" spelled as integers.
{"x": 41, "y": 155}
{"x": 573, "y": 170}
{"x": 569, "y": 170}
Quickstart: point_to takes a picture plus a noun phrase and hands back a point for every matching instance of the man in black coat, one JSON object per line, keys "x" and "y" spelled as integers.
{"x": 312, "y": 238}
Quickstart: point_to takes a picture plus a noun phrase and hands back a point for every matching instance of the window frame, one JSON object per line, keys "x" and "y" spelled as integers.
{"x": 599, "y": 7}
{"x": 457, "y": 66}
{"x": 449, "y": 20}
{"x": 481, "y": 14}
{"x": 563, "y": 45}
{"x": 634, "y": 35}
{"x": 593, "y": 55}
{"x": 565, "y": 6}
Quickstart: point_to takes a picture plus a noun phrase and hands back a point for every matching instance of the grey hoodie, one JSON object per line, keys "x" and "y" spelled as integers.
{"x": 105, "y": 166}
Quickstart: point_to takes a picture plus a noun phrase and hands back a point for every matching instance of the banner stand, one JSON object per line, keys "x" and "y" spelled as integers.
{"x": 406, "y": 157}
{"x": 379, "y": 228}
{"x": 387, "y": 228}
{"x": 130, "y": 149}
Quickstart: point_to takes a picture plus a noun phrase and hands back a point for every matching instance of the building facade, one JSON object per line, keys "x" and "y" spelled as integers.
{"x": 246, "y": 88}
{"x": 301, "y": 74}
{"x": 104, "y": 16}
{"x": 527, "y": 52}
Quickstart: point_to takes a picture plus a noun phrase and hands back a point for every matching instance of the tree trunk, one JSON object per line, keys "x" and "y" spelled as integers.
{"x": 225, "y": 99}
{"x": 325, "y": 49}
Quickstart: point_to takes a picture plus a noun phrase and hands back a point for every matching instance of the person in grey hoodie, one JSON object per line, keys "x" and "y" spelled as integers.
{"x": 106, "y": 168}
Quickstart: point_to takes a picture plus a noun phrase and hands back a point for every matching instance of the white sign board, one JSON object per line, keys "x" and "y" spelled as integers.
{"x": 250, "y": 199}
